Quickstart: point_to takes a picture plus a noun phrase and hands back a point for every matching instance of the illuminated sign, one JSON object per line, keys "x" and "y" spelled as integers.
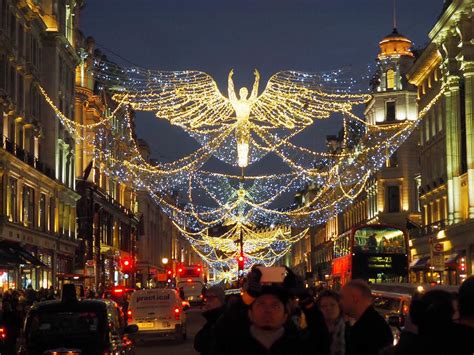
{"x": 380, "y": 262}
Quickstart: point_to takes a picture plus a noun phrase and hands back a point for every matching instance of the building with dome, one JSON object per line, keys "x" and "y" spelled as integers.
{"x": 391, "y": 195}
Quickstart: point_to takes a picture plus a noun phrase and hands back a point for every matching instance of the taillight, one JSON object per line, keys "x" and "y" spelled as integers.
{"x": 3, "y": 333}
{"x": 129, "y": 315}
{"x": 177, "y": 313}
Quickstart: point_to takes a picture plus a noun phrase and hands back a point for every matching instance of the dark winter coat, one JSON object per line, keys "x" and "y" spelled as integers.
{"x": 369, "y": 335}
{"x": 292, "y": 342}
{"x": 204, "y": 338}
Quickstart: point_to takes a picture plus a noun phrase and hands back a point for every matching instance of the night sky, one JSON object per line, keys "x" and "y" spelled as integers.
{"x": 271, "y": 35}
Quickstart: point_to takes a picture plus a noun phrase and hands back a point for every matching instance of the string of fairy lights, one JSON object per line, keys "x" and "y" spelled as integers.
{"x": 239, "y": 130}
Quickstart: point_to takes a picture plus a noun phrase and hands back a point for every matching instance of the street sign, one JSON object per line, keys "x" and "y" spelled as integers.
{"x": 437, "y": 256}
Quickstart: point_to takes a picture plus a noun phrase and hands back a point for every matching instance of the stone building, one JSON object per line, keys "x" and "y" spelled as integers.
{"x": 443, "y": 249}
{"x": 38, "y": 202}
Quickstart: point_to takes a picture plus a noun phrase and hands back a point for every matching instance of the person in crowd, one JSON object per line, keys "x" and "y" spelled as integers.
{"x": 370, "y": 332}
{"x": 31, "y": 295}
{"x": 466, "y": 303}
{"x": 329, "y": 303}
{"x": 12, "y": 322}
{"x": 234, "y": 325}
{"x": 214, "y": 307}
{"x": 267, "y": 332}
{"x": 433, "y": 315}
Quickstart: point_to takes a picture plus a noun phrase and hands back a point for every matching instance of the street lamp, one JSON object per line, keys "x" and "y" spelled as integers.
{"x": 164, "y": 261}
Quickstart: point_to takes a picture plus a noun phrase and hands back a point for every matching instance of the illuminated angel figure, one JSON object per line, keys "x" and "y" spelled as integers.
{"x": 192, "y": 100}
{"x": 242, "y": 108}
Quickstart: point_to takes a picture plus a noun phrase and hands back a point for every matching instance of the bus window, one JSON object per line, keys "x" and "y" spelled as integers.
{"x": 379, "y": 240}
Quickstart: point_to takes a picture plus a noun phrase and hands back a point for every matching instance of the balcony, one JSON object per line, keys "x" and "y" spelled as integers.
{"x": 27, "y": 158}
{"x": 429, "y": 229}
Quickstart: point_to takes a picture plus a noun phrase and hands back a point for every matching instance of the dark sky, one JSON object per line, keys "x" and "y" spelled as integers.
{"x": 271, "y": 35}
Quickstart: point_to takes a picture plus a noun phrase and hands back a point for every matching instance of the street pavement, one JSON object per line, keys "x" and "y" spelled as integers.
{"x": 195, "y": 322}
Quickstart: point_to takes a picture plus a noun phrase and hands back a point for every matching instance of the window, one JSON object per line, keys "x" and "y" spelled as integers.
{"x": 392, "y": 160}
{"x": 391, "y": 79}
{"x": 42, "y": 212}
{"x": 12, "y": 200}
{"x": 28, "y": 206}
{"x": 393, "y": 198}
{"x": 379, "y": 239}
{"x": 390, "y": 111}
{"x": 52, "y": 214}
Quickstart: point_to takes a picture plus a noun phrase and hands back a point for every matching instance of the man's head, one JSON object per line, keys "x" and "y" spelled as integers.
{"x": 214, "y": 298}
{"x": 466, "y": 299}
{"x": 243, "y": 93}
{"x": 356, "y": 297}
{"x": 268, "y": 311}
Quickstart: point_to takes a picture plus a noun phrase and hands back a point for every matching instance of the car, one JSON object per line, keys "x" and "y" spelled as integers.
{"x": 394, "y": 307}
{"x": 158, "y": 313}
{"x": 88, "y": 326}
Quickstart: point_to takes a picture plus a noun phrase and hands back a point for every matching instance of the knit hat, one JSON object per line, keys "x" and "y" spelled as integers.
{"x": 217, "y": 291}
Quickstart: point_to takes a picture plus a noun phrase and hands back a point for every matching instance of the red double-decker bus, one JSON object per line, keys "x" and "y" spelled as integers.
{"x": 374, "y": 252}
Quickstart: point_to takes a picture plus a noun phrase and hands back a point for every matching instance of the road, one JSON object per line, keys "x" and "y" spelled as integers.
{"x": 195, "y": 322}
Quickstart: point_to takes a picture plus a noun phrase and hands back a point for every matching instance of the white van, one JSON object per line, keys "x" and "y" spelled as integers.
{"x": 157, "y": 312}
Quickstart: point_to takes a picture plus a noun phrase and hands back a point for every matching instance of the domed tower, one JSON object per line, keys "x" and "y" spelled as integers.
{"x": 392, "y": 192}
{"x": 394, "y": 97}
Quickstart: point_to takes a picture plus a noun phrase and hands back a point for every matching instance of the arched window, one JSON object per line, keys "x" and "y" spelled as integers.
{"x": 390, "y": 79}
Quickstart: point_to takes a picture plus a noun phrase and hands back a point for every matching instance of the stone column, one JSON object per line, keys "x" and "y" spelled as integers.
{"x": 453, "y": 147}
{"x": 468, "y": 73}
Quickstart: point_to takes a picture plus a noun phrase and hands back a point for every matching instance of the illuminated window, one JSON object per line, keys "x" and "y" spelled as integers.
{"x": 390, "y": 79}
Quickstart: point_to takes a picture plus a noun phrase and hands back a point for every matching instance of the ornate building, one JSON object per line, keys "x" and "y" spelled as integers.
{"x": 107, "y": 209}
{"x": 443, "y": 250}
{"x": 38, "y": 202}
{"x": 391, "y": 195}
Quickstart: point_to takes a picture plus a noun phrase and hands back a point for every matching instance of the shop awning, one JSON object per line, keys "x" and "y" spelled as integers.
{"x": 452, "y": 261}
{"x": 14, "y": 255}
{"x": 420, "y": 264}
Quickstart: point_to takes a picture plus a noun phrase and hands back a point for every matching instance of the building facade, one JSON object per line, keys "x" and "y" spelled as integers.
{"x": 38, "y": 202}
{"x": 107, "y": 209}
{"x": 391, "y": 195}
{"x": 443, "y": 249}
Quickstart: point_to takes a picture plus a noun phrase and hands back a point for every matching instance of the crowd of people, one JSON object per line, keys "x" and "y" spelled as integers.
{"x": 288, "y": 319}
{"x": 14, "y": 305}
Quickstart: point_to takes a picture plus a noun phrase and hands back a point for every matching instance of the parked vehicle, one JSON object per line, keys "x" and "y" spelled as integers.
{"x": 76, "y": 327}
{"x": 158, "y": 313}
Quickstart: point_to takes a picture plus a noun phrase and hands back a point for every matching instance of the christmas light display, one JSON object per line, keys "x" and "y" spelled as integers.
{"x": 240, "y": 131}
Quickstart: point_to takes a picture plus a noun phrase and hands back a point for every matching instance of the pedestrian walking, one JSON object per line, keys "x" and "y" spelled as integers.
{"x": 370, "y": 333}
{"x": 214, "y": 306}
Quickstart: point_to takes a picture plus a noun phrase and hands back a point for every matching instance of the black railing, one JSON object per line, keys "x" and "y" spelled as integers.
{"x": 28, "y": 158}
{"x": 428, "y": 229}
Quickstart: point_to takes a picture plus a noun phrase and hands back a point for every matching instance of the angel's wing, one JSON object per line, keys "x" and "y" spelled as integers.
{"x": 294, "y": 99}
{"x": 189, "y": 99}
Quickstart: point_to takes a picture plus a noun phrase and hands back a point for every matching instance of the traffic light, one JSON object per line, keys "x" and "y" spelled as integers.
{"x": 241, "y": 262}
{"x": 126, "y": 264}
